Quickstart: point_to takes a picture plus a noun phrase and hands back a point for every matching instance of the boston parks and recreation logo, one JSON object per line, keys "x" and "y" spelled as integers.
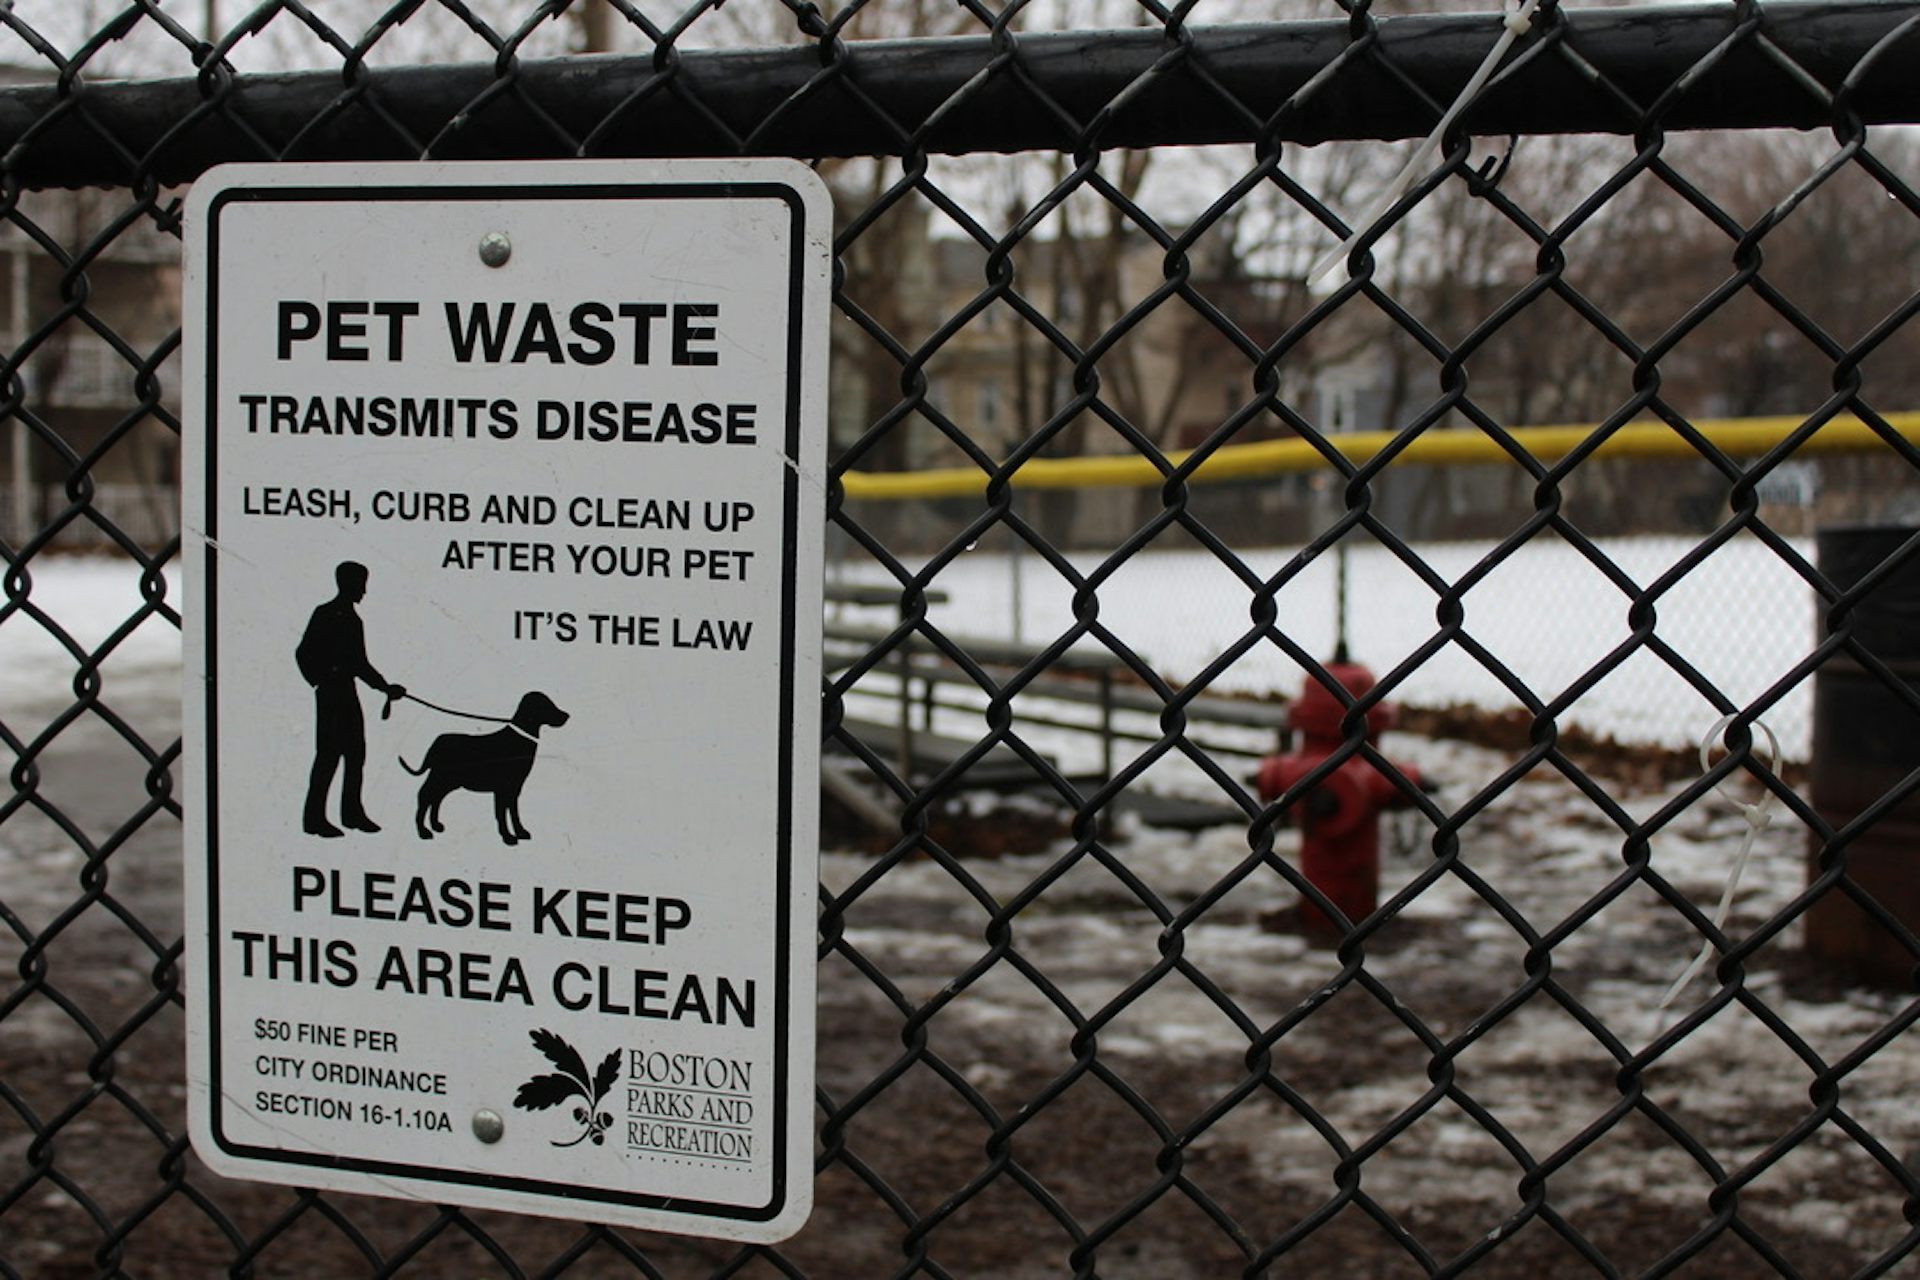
{"x": 679, "y": 1106}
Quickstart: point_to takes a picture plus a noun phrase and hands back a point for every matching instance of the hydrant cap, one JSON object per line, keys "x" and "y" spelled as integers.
{"x": 1317, "y": 712}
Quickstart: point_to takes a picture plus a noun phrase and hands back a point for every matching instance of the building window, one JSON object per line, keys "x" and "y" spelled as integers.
{"x": 989, "y": 405}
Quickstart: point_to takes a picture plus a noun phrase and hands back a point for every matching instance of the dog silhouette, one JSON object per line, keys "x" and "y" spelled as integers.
{"x": 496, "y": 762}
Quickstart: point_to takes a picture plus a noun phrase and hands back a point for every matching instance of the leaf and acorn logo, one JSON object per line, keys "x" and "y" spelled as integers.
{"x": 571, "y": 1081}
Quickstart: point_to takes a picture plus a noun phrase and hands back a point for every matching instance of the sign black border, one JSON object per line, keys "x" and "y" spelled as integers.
{"x": 783, "y": 896}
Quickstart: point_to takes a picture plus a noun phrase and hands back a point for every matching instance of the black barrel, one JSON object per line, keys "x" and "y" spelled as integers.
{"x": 1866, "y": 741}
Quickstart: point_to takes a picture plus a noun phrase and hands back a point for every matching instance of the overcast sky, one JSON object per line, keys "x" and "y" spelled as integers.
{"x": 434, "y": 34}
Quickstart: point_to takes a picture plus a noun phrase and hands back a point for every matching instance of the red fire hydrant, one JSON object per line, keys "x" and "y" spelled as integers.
{"x": 1340, "y": 817}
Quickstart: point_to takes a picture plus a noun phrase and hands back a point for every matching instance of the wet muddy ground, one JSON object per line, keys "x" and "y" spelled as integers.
{"x": 1044, "y": 1094}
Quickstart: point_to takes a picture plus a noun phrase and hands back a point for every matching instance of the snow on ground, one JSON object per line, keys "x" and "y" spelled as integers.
{"x": 89, "y": 598}
{"x": 1356, "y": 1063}
{"x": 1743, "y": 619}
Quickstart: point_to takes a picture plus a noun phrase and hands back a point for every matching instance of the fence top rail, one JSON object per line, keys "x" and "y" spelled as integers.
{"x": 1205, "y": 85}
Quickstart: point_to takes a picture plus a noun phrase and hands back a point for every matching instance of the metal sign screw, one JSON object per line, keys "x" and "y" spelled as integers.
{"x": 488, "y": 1126}
{"x": 495, "y": 248}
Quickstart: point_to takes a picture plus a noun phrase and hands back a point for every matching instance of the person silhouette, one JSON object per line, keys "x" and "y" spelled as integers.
{"x": 332, "y": 656}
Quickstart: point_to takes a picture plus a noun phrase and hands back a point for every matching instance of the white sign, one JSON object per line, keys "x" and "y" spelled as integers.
{"x": 504, "y": 497}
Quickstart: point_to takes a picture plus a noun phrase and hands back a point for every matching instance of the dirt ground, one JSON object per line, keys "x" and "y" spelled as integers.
{"x": 1066, "y": 1090}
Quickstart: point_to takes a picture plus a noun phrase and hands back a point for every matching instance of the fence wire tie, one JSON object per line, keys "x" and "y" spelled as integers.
{"x": 1514, "y": 25}
{"x": 1759, "y": 817}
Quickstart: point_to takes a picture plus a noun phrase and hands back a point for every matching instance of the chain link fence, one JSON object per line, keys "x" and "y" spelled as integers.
{"x": 1058, "y": 1037}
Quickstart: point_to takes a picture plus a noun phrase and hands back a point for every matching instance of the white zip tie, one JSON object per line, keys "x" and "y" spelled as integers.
{"x": 1516, "y": 25}
{"x": 1758, "y": 817}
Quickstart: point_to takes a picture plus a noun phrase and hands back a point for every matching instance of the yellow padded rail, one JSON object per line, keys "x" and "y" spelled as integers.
{"x": 1739, "y": 437}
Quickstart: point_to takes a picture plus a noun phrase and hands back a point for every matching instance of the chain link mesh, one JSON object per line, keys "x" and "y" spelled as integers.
{"x": 1055, "y": 1039}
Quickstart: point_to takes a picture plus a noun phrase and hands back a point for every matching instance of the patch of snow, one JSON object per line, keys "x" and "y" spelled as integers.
{"x": 88, "y": 598}
{"x": 1742, "y": 618}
